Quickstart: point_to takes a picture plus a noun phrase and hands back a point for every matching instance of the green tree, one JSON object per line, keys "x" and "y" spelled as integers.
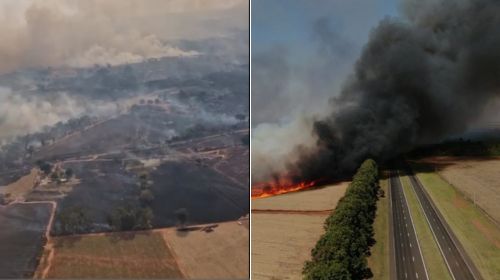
{"x": 130, "y": 218}
{"x": 144, "y": 218}
{"x": 74, "y": 220}
{"x": 342, "y": 250}
{"x": 123, "y": 218}
{"x": 146, "y": 197}
{"x": 68, "y": 173}
{"x": 44, "y": 166}
{"x": 182, "y": 216}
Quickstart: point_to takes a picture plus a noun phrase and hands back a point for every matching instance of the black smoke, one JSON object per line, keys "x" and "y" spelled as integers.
{"x": 418, "y": 80}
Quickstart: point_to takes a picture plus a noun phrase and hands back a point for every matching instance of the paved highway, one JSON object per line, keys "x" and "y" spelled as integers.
{"x": 408, "y": 257}
{"x": 456, "y": 260}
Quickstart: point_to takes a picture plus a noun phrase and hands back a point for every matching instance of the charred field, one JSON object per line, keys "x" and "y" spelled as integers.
{"x": 171, "y": 151}
{"x": 22, "y": 238}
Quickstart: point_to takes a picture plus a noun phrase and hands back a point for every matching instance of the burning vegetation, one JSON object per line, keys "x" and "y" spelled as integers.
{"x": 279, "y": 186}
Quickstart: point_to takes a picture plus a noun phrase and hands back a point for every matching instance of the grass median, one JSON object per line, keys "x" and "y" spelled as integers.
{"x": 478, "y": 234}
{"x": 434, "y": 262}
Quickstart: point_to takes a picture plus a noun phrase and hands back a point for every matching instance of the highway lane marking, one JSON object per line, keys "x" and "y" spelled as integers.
{"x": 414, "y": 231}
{"x": 432, "y": 229}
{"x": 442, "y": 224}
{"x": 416, "y": 274}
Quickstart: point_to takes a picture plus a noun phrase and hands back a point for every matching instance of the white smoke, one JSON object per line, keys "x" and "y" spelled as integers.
{"x": 21, "y": 114}
{"x": 40, "y": 33}
{"x": 274, "y": 145}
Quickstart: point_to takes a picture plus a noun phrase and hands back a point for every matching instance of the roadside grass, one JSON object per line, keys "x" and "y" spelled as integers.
{"x": 379, "y": 259}
{"x": 478, "y": 234}
{"x": 137, "y": 255}
{"x": 434, "y": 261}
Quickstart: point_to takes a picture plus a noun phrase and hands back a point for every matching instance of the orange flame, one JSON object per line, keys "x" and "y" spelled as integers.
{"x": 280, "y": 186}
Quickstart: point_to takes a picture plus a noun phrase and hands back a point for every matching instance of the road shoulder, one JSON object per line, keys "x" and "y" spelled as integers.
{"x": 382, "y": 251}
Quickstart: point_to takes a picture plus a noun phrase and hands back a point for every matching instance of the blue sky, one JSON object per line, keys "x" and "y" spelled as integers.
{"x": 289, "y": 22}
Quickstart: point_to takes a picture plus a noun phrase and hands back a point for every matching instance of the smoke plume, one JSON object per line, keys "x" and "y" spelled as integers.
{"x": 22, "y": 114}
{"x": 419, "y": 79}
{"x": 41, "y": 33}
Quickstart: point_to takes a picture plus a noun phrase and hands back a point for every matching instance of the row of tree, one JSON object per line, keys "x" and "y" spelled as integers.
{"x": 341, "y": 253}
{"x": 459, "y": 147}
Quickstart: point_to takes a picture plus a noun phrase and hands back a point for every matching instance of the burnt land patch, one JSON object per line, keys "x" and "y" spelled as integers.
{"x": 205, "y": 195}
{"x": 22, "y": 238}
{"x": 104, "y": 186}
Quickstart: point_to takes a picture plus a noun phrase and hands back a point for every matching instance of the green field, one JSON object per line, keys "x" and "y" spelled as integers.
{"x": 477, "y": 233}
{"x": 379, "y": 259}
{"x": 434, "y": 262}
{"x": 118, "y": 255}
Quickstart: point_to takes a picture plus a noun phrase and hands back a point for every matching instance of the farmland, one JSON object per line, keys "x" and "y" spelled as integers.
{"x": 22, "y": 237}
{"x": 282, "y": 242}
{"x": 222, "y": 252}
{"x": 119, "y": 255}
{"x": 160, "y": 253}
{"x": 476, "y": 177}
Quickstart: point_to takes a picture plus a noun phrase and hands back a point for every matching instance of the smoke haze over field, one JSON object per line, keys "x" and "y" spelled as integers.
{"x": 43, "y": 39}
{"x": 20, "y": 114}
{"x": 41, "y": 33}
{"x": 419, "y": 79}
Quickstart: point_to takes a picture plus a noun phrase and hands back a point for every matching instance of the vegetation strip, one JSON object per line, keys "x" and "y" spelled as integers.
{"x": 379, "y": 258}
{"x": 341, "y": 253}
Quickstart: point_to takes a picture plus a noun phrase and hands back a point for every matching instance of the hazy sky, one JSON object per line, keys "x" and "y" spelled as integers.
{"x": 302, "y": 52}
{"x": 289, "y": 22}
{"x": 39, "y": 33}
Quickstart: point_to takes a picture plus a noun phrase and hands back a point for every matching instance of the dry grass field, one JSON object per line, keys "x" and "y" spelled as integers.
{"x": 477, "y": 178}
{"x": 119, "y": 255}
{"x": 220, "y": 254}
{"x": 322, "y": 198}
{"x": 282, "y": 242}
{"x": 20, "y": 188}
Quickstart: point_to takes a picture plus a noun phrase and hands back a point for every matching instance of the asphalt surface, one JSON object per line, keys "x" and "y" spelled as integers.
{"x": 456, "y": 260}
{"x": 408, "y": 257}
